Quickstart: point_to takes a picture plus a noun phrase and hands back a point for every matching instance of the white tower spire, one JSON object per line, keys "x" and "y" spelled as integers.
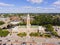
{"x": 28, "y": 21}
{"x": 28, "y": 25}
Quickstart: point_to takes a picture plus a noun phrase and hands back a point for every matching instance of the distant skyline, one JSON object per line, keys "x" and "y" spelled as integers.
{"x": 29, "y": 6}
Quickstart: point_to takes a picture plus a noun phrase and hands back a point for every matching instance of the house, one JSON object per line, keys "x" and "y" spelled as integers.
{"x": 14, "y": 18}
{"x": 41, "y": 29}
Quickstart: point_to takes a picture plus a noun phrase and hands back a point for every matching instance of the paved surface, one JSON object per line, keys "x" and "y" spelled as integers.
{"x": 15, "y": 40}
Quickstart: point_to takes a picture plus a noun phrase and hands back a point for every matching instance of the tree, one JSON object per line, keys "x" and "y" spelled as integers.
{"x": 1, "y": 22}
{"x": 49, "y": 28}
{"x": 6, "y": 15}
{"x": 42, "y": 20}
{"x": 54, "y": 33}
{"x": 56, "y": 21}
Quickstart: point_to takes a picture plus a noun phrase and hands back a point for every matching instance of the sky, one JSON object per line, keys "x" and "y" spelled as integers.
{"x": 29, "y": 6}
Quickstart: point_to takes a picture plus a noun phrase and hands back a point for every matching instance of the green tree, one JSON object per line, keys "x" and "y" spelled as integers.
{"x": 1, "y": 22}
{"x": 42, "y": 20}
{"x": 49, "y": 28}
{"x": 54, "y": 33}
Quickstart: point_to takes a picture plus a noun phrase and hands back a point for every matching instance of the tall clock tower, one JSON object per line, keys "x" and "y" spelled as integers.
{"x": 28, "y": 21}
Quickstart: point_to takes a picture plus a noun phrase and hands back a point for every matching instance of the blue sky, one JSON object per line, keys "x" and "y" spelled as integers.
{"x": 29, "y": 6}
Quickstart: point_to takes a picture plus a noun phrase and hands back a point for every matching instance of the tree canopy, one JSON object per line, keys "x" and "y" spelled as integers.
{"x": 1, "y": 22}
{"x": 46, "y": 19}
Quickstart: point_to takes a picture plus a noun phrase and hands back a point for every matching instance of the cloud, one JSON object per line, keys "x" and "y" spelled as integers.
{"x": 4, "y": 4}
{"x": 35, "y": 1}
{"x": 57, "y": 3}
{"x": 38, "y": 8}
{"x": 29, "y": 9}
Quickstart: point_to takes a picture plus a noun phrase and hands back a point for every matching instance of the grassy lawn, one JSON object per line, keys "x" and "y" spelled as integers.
{"x": 34, "y": 26}
{"x": 34, "y": 34}
{"x": 47, "y": 35}
{"x": 23, "y": 34}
